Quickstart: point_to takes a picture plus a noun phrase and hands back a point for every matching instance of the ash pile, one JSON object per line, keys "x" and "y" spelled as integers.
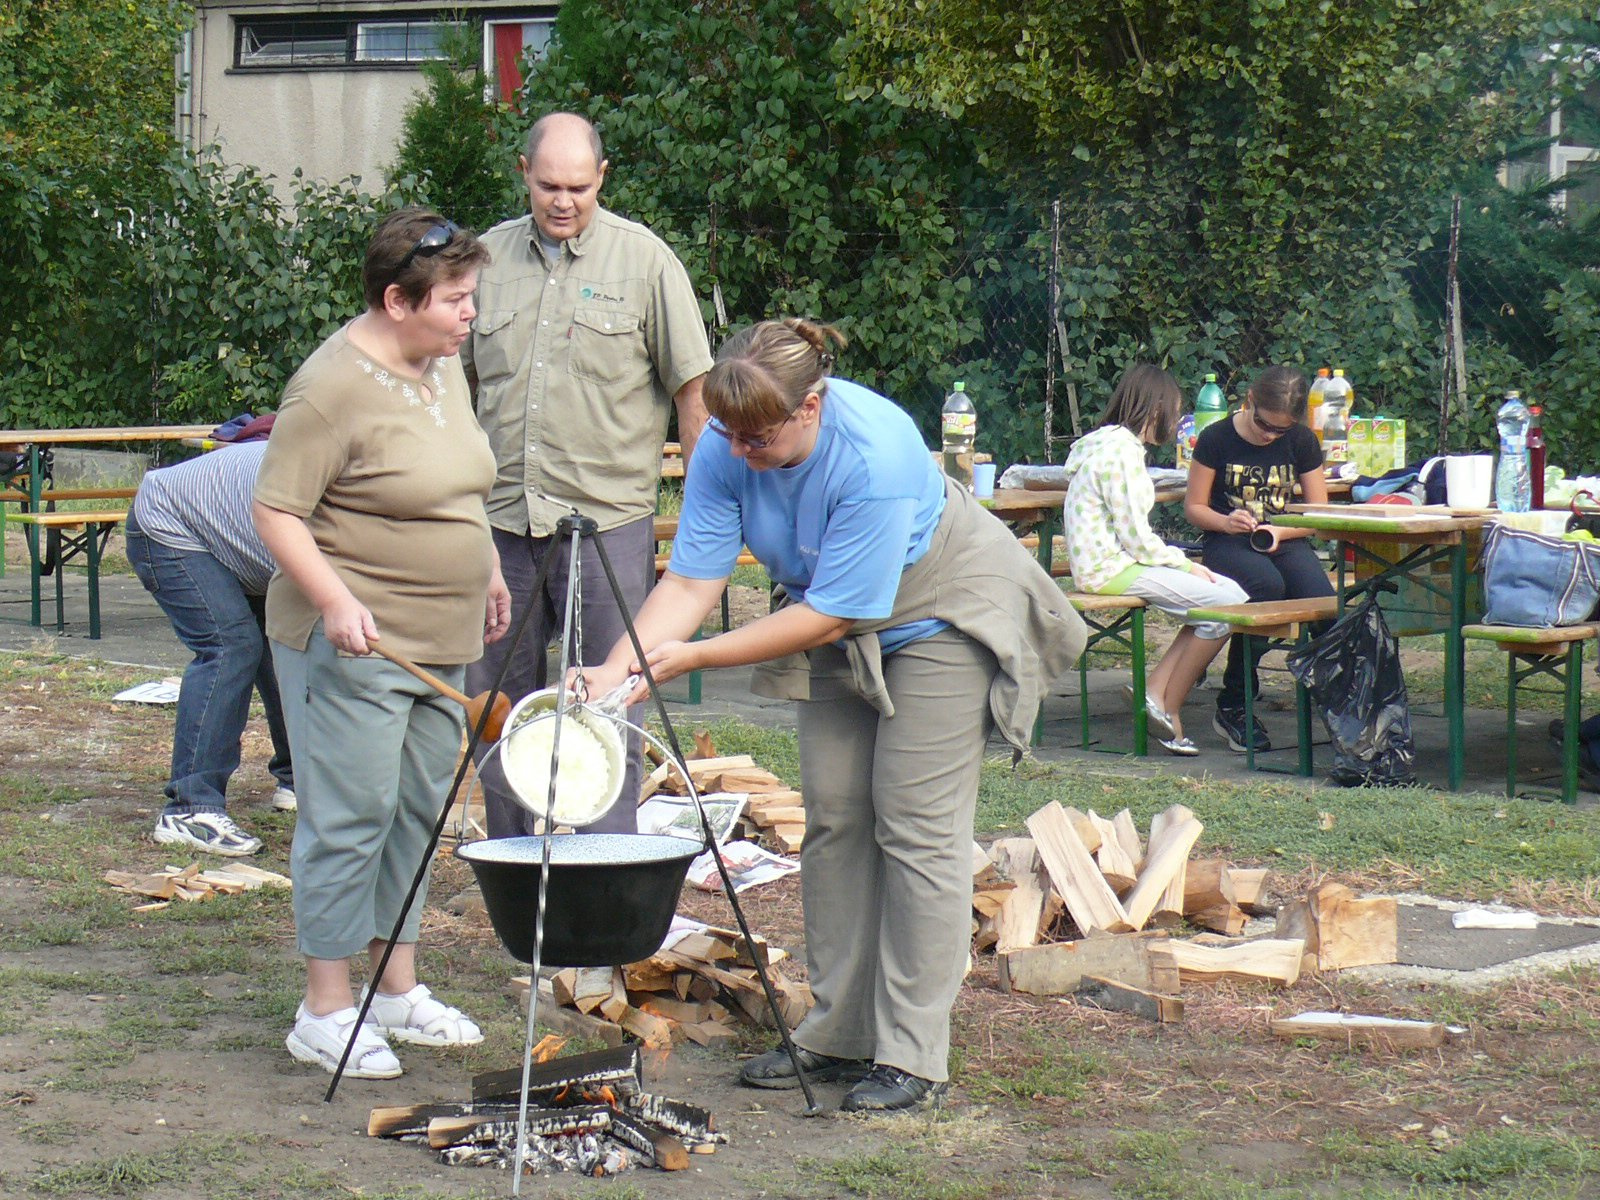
{"x": 587, "y": 1113}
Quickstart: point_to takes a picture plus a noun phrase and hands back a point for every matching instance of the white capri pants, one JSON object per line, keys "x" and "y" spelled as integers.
{"x": 1175, "y": 592}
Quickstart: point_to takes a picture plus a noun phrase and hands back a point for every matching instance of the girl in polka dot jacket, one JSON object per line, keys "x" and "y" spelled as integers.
{"x": 1113, "y": 550}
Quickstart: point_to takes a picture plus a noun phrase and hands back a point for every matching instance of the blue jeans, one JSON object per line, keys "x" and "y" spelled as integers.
{"x": 225, "y": 628}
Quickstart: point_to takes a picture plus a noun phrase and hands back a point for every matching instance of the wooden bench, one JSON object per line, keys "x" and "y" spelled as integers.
{"x": 666, "y": 528}
{"x": 1531, "y": 652}
{"x": 17, "y": 495}
{"x": 83, "y": 533}
{"x": 1272, "y": 623}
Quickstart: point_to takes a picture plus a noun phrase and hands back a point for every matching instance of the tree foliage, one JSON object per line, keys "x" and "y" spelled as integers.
{"x": 727, "y": 135}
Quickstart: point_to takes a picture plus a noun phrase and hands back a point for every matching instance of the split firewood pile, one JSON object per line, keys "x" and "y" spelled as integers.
{"x": 1087, "y": 906}
{"x": 587, "y": 1113}
{"x": 774, "y": 814}
{"x": 698, "y": 988}
{"x": 191, "y": 883}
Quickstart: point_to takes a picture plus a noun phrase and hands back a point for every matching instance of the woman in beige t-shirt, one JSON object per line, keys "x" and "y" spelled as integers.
{"x": 371, "y": 499}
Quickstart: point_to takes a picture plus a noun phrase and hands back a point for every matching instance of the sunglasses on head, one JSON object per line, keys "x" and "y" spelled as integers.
{"x": 749, "y": 443}
{"x": 1267, "y": 427}
{"x": 430, "y": 243}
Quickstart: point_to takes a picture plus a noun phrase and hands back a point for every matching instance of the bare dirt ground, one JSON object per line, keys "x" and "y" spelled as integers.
{"x": 142, "y": 1054}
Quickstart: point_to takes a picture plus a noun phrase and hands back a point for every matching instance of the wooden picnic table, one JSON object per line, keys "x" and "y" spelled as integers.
{"x": 40, "y": 444}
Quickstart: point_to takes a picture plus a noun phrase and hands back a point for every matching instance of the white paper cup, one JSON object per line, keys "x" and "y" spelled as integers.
{"x": 1469, "y": 480}
{"x": 983, "y": 480}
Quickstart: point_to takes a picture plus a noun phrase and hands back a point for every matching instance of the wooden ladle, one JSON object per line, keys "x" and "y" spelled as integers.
{"x": 474, "y": 705}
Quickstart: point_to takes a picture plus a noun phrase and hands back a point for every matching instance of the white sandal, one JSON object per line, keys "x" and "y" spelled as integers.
{"x": 419, "y": 1018}
{"x": 322, "y": 1040}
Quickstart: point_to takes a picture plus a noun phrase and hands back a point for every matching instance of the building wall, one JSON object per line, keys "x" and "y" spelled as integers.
{"x": 328, "y": 122}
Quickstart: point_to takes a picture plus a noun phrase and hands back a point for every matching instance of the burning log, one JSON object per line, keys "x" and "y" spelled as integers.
{"x": 664, "y": 1150}
{"x": 583, "y": 1074}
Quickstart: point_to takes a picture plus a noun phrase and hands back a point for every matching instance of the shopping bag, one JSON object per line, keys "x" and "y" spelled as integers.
{"x": 1533, "y": 579}
{"x": 1352, "y": 673}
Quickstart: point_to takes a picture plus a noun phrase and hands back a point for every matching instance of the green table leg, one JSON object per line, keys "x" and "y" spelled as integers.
{"x": 1455, "y": 667}
{"x": 1141, "y": 718}
{"x": 1249, "y": 702}
{"x": 1047, "y": 539}
{"x": 31, "y": 533}
{"x": 1302, "y": 714}
{"x": 1573, "y": 712}
{"x": 1083, "y": 704}
{"x": 1511, "y": 726}
{"x": 92, "y": 532}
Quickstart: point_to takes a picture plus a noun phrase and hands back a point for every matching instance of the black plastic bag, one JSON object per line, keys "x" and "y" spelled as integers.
{"x": 1353, "y": 675}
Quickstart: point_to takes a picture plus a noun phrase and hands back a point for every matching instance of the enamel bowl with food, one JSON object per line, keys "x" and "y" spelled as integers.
{"x": 590, "y": 767}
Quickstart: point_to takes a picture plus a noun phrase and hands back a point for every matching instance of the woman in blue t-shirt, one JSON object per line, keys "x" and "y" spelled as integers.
{"x": 1245, "y": 470}
{"x": 919, "y": 616}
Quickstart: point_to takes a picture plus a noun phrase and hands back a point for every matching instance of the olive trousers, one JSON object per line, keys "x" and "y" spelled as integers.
{"x": 886, "y": 875}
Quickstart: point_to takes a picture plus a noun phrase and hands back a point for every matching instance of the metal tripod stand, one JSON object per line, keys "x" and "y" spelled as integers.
{"x": 573, "y": 529}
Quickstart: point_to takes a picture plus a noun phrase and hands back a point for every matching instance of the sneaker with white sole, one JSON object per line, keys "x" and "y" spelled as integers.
{"x": 283, "y": 799}
{"x": 322, "y": 1040}
{"x": 419, "y": 1018}
{"x": 213, "y": 832}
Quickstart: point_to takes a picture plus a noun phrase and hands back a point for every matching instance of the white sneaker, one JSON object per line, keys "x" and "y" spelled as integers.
{"x": 283, "y": 799}
{"x": 322, "y": 1040}
{"x": 419, "y": 1018}
{"x": 212, "y": 832}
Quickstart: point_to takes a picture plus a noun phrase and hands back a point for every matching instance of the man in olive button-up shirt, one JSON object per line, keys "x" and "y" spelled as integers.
{"x": 588, "y": 333}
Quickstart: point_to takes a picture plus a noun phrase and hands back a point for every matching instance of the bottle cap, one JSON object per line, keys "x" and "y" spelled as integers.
{"x": 1322, "y": 372}
{"x": 959, "y": 386}
{"x": 1211, "y": 377}
{"x": 1513, "y": 394}
{"x": 1536, "y": 409}
{"x": 1338, "y": 372}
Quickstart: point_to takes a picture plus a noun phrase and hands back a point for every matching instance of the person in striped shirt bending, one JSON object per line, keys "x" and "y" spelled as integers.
{"x": 193, "y": 545}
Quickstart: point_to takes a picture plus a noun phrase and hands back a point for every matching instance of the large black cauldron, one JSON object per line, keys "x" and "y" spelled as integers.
{"x": 610, "y": 900}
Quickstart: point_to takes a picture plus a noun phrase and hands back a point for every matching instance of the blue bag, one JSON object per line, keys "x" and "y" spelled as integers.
{"x": 1539, "y": 581}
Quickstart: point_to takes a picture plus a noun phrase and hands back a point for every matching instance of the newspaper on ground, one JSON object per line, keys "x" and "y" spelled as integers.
{"x": 748, "y": 865}
{"x": 676, "y": 816}
{"x": 157, "y": 691}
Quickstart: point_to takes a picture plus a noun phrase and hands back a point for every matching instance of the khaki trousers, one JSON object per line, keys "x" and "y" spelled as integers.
{"x": 886, "y": 873}
{"x": 375, "y": 751}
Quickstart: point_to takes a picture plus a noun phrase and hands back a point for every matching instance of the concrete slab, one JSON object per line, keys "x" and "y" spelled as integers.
{"x": 1428, "y": 939}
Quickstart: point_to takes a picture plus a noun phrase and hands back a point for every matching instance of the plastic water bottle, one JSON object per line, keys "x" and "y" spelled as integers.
{"x": 1513, "y": 481}
{"x": 1319, "y": 393}
{"x": 1210, "y": 406}
{"x": 959, "y": 425}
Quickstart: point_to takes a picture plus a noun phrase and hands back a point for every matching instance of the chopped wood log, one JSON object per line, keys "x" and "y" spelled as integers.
{"x": 702, "y": 745}
{"x": 709, "y": 1033}
{"x": 564, "y": 987}
{"x": 619, "y": 1069}
{"x": 1128, "y": 838}
{"x": 1355, "y": 1030}
{"x": 1058, "y": 969}
{"x": 1088, "y": 897}
{"x": 1208, "y": 898}
{"x": 682, "y": 1011}
{"x": 591, "y": 985}
{"x": 1120, "y": 870}
{"x": 1088, "y": 832}
{"x": 1341, "y": 930}
{"x": 666, "y": 1151}
{"x": 655, "y": 1032}
{"x": 406, "y": 1119}
{"x": 1116, "y": 996}
{"x": 1276, "y": 960}
{"x": 788, "y": 839}
{"x": 542, "y": 1122}
{"x": 565, "y": 1020}
{"x": 747, "y": 780}
{"x": 1018, "y": 923}
{"x": 615, "y": 1005}
{"x": 1169, "y": 909}
{"x": 689, "y": 1122}
{"x": 1249, "y": 883}
{"x": 1166, "y": 858}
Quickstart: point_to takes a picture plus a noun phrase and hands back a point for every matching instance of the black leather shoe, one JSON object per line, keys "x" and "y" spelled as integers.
{"x": 889, "y": 1089}
{"x": 775, "y": 1070}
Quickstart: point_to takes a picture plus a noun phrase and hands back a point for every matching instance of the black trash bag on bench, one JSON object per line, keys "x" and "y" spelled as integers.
{"x": 1353, "y": 675}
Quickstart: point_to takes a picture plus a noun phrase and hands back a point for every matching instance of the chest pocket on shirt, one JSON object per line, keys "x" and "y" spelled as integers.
{"x": 605, "y": 346}
{"x": 494, "y": 344}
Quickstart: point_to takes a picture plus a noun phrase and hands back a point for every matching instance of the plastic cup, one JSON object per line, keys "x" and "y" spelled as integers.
{"x": 983, "y": 480}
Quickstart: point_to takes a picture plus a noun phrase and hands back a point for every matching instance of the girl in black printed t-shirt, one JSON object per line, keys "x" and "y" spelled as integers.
{"x": 1244, "y": 472}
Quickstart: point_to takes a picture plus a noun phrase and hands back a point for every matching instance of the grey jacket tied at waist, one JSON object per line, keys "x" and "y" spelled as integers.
{"x": 977, "y": 578}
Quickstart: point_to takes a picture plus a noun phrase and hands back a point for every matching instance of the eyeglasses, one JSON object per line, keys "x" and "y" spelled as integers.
{"x": 430, "y": 243}
{"x": 749, "y": 443}
{"x": 1267, "y": 427}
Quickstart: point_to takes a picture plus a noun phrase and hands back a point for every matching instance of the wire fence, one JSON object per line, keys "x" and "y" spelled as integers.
{"x": 1055, "y": 303}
